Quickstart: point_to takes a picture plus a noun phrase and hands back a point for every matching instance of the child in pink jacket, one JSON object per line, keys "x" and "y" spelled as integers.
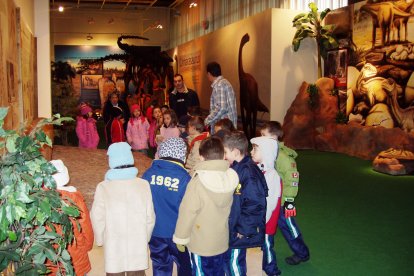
{"x": 86, "y": 128}
{"x": 168, "y": 129}
{"x": 137, "y": 130}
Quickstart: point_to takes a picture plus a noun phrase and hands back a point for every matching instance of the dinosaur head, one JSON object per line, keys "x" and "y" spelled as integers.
{"x": 245, "y": 39}
{"x": 369, "y": 70}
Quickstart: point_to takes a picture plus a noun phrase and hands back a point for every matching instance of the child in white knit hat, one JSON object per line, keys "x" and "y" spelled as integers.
{"x": 83, "y": 241}
{"x": 123, "y": 214}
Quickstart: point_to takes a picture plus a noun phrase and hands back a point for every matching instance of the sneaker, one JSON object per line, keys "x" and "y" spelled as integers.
{"x": 295, "y": 260}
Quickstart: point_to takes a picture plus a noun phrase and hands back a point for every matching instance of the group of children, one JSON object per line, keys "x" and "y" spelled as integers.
{"x": 204, "y": 200}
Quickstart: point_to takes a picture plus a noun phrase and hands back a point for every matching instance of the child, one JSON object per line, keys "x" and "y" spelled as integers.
{"x": 224, "y": 124}
{"x": 264, "y": 153}
{"x": 86, "y": 128}
{"x": 248, "y": 211}
{"x": 169, "y": 128}
{"x": 123, "y": 214}
{"x": 202, "y": 222}
{"x": 168, "y": 180}
{"x": 83, "y": 237}
{"x": 196, "y": 133}
{"x": 137, "y": 131}
{"x": 154, "y": 128}
{"x": 164, "y": 108}
{"x": 286, "y": 168}
{"x": 114, "y": 128}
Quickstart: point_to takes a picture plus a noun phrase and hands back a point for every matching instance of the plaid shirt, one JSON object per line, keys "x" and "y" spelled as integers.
{"x": 222, "y": 103}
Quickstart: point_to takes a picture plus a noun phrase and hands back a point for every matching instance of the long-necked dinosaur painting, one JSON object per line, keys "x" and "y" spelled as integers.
{"x": 383, "y": 15}
{"x": 250, "y": 103}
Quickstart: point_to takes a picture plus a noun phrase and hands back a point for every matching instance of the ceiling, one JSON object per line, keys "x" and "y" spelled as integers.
{"x": 113, "y": 5}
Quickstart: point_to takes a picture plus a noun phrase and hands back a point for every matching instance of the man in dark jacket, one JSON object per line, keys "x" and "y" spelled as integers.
{"x": 182, "y": 98}
{"x": 248, "y": 212}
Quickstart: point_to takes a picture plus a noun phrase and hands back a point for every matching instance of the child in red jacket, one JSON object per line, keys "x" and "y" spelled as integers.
{"x": 114, "y": 129}
{"x": 83, "y": 237}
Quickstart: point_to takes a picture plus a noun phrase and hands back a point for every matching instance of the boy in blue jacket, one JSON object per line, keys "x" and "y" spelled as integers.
{"x": 248, "y": 212}
{"x": 168, "y": 181}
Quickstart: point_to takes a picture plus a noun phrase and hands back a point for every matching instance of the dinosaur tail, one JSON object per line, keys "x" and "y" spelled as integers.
{"x": 261, "y": 107}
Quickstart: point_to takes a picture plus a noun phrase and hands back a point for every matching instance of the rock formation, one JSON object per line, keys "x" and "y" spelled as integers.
{"x": 307, "y": 128}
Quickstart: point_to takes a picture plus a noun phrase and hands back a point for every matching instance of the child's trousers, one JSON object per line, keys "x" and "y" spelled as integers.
{"x": 207, "y": 266}
{"x": 164, "y": 253}
{"x": 235, "y": 262}
{"x": 269, "y": 263}
{"x": 292, "y": 234}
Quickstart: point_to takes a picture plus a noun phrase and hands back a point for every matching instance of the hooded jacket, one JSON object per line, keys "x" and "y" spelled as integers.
{"x": 87, "y": 133}
{"x": 202, "y": 222}
{"x": 137, "y": 133}
{"x": 248, "y": 212}
{"x": 168, "y": 181}
{"x": 268, "y": 148}
{"x": 288, "y": 171}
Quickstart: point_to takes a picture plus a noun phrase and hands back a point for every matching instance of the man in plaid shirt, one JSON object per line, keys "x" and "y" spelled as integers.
{"x": 222, "y": 100}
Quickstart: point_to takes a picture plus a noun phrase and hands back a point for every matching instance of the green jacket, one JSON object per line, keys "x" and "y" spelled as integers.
{"x": 286, "y": 167}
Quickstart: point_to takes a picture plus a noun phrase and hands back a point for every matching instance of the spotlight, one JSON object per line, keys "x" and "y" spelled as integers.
{"x": 159, "y": 26}
{"x": 89, "y": 37}
{"x": 193, "y": 4}
{"x": 61, "y": 9}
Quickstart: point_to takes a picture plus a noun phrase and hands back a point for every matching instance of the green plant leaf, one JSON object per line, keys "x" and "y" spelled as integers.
{"x": 313, "y": 7}
{"x": 299, "y": 16}
{"x": 11, "y": 144}
{"x": 324, "y": 13}
{"x": 65, "y": 255}
{"x": 3, "y": 112}
{"x": 12, "y": 236}
{"x": 71, "y": 211}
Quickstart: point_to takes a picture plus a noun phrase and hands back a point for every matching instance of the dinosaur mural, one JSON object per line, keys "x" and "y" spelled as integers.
{"x": 250, "y": 103}
{"x": 402, "y": 21}
{"x": 403, "y": 117}
{"x": 383, "y": 15}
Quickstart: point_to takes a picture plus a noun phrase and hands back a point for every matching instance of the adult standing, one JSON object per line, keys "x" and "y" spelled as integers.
{"x": 114, "y": 101}
{"x": 182, "y": 98}
{"x": 222, "y": 100}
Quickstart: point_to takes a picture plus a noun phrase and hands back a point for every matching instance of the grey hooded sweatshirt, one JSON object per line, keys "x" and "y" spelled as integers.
{"x": 202, "y": 223}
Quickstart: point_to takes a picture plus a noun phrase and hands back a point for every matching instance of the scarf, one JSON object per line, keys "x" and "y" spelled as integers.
{"x": 121, "y": 174}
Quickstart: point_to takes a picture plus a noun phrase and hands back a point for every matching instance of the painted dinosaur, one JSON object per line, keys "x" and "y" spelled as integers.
{"x": 369, "y": 87}
{"x": 383, "y": 15}
{"x": 402, "y": 21}
{"x": 250, "y": 103}
{"x": 404, "y": 117}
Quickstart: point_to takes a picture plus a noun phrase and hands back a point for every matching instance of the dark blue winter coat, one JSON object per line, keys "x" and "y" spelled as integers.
{"x": 248, "y": 212}
{"x": 168, "y": 181}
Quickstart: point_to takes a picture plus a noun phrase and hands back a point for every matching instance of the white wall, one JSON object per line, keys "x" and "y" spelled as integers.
{"x": 42, "y": 33}
{"x": 289, "y": 68}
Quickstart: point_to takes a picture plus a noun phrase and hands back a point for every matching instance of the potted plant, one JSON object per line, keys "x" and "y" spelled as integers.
{"x": 309, "y": 25}
{"x": 35, "y": 223}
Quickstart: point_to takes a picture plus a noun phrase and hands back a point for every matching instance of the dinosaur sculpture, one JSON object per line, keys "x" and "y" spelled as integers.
{"x": 145, "y": 64}
{"x": 383, "y": 15}
{"x": 402, "y": 21}
{"x": 250, "y": 103}
{"x": 404, "y": 117}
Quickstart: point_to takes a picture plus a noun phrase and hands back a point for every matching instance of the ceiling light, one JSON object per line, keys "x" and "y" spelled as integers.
{"x": 193, "y": 4}
{"x": 61, "y": 9}
{"x": 89, "y": 37}
{"x": 159, "y": 26}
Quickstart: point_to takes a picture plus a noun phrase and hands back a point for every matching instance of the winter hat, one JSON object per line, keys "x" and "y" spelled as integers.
{"x": 120, "y": 154}
{"x": 85, "y": 109}
{"x": 135, "y": 107}
{"x": 62, "y": 175}
{"x": 173, "y": 149}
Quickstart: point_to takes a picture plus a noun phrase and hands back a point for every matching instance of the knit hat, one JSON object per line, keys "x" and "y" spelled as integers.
{"x": 173, "y": 148}
{"x": 62, "y": 175}
{"x": 85, "y": 109}
{"x": 135, "y": 107}
{"x": 120, "y": 154}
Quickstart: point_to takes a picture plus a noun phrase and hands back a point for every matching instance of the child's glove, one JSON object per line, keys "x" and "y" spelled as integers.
{"x": 181, "y": 247}
{"x": 290, "y": 209}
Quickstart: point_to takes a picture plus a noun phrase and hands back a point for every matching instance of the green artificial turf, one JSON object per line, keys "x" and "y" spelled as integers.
{"x": 354, "y": 220}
